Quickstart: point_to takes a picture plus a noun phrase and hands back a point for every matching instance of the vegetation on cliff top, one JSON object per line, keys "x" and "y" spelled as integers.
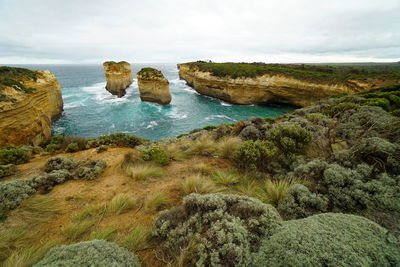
{"x": 316, "y": 72}
{"x": 149, "y": 73}
{"x": 12, "y": 77}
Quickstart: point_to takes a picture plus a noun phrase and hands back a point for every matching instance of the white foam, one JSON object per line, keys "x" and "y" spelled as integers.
{"x": 174, "y": 114}
{"x": 225, "y": 103}
{"x": 219, "y": 116}
{"x": 74, "y": 105}
{"x": 151, "y": 124}
{"x": 101, "y": 95}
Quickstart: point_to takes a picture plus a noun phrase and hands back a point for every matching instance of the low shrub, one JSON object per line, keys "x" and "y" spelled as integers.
{"x": 52, "y": 148}
{"x": 14, "y": 155}
{"x": 290, "y": 138}
{"x": 46, "y": 182}
{"x": 250, "y": 133}
{"x": 379, "y": 102}
{"x": 60, "y": 163}
{"x": 89, "y": 253}
{"x": 221, "y": 230}
{"x": 72, "y": 147}
{"x": 253, "y": 155}
{"x": 119, "y": 139}
{"x": 13, "y": 192}
{"x": 101, "y": 149}
{"x": 353, "y": 241}
{"x": 7, "y": 170}
{"x": 91, "y": 170}
{"x": 156, "y": 154}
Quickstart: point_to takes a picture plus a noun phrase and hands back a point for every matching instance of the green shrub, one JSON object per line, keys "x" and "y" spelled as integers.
{"x": 329, "y": 239}
{"x": 253, "y": 155}
{"x": 395, "y": 113}
{"x": 210, "y": 127}
{"x": 250, "y": 133}
{"x": 72, "y": 147}
{"x": 119, "y": 139}
{"x": 52, "y": 148}
{"x": 379, "y": 102}
{"x": 7, "y": 170}
{"x": 91, "y": 170}
{"x": 14, "y": 155}
{"x": 300, "y": 202}
{"x": 101, "y": 149}
{"x": 156, "y": 154}
{"x": 222, "y": 230}
{"x": 47, "y": 181}
{"x": 60, "y": 163}
{"x": 13, "y": 192}
{"x": 340, "y": 108}
{"x": 89, "y": 253}
{"x": 290, "y": 138}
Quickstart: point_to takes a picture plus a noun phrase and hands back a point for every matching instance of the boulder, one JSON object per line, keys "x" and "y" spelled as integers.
{"x": 118, "y": 76}
{"x": 153, "y": 86}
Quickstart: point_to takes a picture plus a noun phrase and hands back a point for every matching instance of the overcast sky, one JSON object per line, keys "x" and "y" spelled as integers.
{"x": 91, "y": 31}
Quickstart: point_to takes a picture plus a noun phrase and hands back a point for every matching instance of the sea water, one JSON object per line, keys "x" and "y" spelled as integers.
{"x": 90, "y": 110}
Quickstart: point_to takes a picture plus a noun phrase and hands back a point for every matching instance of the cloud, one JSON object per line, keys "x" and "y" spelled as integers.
{"x": 179, "y": 30}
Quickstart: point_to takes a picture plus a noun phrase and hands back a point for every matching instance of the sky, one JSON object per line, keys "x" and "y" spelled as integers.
{"x": 271, "y": 31}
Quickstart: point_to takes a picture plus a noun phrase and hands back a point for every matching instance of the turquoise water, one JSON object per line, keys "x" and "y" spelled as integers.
{"x": 90, "y": 111}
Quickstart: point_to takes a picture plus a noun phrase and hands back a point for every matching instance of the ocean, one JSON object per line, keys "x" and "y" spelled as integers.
{"x": 91, "y": 111}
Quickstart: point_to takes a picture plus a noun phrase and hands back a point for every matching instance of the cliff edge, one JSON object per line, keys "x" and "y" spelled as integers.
{"x": 118, "y": 76}
{"x": 153, "y": 86}
{"x": 29, "y": 102}
{"x": 258, "y": 83}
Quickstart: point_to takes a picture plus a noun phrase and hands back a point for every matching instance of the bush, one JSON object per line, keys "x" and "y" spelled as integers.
{"x": 89, "y": 253}
{"x": 52, "y": 148}
{"x": 300, "y": 202}
{"x": 290, "y": 138}
{"x": 91, "y": 170}
{"x": 329, "y": 240}
{"x": 119, "y": 139}
{"x": 379, "y": 102}
{"x": 253, "y": 155}
{"x": 60, "y": 163}
{"x": 13, "y": 192}
{"x": 250, "y": 133}
{"x": 72, "y": 147}
{"x": 222, "y": 230}
{"x": 14, "y": 155}
{"x": 101, "y": 149}
{"x": 156, "y": 154}
{"x": 7, "y": 170}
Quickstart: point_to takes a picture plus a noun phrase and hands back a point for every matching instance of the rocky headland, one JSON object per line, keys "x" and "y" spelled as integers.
{"x": 153, "y": 86}
{"x": 29, "y": 103}
{"x": 257, "y": 83}
{"x": 118, "y": 76}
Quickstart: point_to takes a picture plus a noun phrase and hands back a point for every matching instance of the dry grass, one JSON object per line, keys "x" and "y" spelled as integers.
{"x": 227, "y": 146}
{"x": 176, "y": 152}
{"x": 136, "y": 239}
{"x": 198, "y": 184}
{"x": 90, "y": 212}
{"x": 144, "y": 170}
{"x": 157, "y": 201}
{"x": 130, "y": 159}
{"x": 226, "y": 178}
{"x": 273, "y": 191}
{"x": 202, "y": 169}
{"x": 121, "y": 203}
{"x": 202, "y": 146}
{"x": 38, "y": 209}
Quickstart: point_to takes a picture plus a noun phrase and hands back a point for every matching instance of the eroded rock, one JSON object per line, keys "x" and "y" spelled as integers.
{"x": 118, "y": 76}
{"x": 153, "y": 86}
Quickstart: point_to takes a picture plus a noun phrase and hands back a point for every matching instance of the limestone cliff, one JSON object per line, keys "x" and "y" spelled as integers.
{"x": 28, "y": 106}
{"x": 118, "y": 76}
{"x": 269, "y": 88}
{"x": 153, "y": 86}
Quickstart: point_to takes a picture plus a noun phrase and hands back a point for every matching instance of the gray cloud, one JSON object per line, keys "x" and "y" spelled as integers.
{"x": 73, "y": 31}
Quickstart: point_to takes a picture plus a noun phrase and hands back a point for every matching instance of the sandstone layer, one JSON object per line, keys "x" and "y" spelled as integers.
{"x": 153, "y": 86}
{"x": 118, "y": 77}
{"x": 268, "y": 88}
{"x": 26, "y": 117}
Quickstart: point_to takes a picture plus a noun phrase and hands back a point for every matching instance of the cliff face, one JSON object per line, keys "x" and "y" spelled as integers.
{"x": 118, "y": 76}
{"x": 267, "y": 88}
{"x": 153, "y": 86}
{"x": 26, "y": 118}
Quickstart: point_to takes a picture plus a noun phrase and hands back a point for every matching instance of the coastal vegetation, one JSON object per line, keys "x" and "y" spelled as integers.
{"x": 257, "y": 191}
{"x": 330, "y": 73}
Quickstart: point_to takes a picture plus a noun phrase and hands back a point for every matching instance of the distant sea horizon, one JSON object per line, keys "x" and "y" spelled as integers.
{"x": 90, "y": 110}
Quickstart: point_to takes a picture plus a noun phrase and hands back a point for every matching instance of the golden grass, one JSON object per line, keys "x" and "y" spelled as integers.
{"x": 143, "y": 171}
{"x": 157, "y": 201}
{"x": 130, "y": 159}
{"x": 176, "y": 152}
{"x": 120, "y": 203}
{"x": 137, "y": 238}
{"x": 226, "y": 178}
{"x": 202, "y": 146}
{"x": 227, "y": 146}
{"x": 108, "y": 233}
{"x": 273, "y": 191}
{"x": 198, "y": 184}
{"x": 76, "y": 230}
{"x": 38, "y": 209}
{"x": 202, "y": 169}
{"x": 81, "y": 198}
{"x": 90, "y": 212}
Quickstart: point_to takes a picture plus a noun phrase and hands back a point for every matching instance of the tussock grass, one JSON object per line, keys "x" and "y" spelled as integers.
{"x": 108, "y": 233}
{"x": 25, "y": 257}
{"x": 202, "y": 169}
{"x": 76, "y": 230}
{"x": 226, "y": 178}
{"x": 198, "y": 184}
{"x": 176, "y": 152}
{"x": 81, "y": 198}
{"x": 202, "y": 146}
{"x": 273, "y": 191}
{"x": 120, "y": 203}
{"x": 90, "y": 212}
{"x": 157, "y": 201}
{"x": 38, "y": 209}
{"x": 144, "y": 170}
{"x": 137, "y": 238}
{"x": 248, "y": 187}
{"x": 227, "y": 146}
{"x": 130, "y": 159}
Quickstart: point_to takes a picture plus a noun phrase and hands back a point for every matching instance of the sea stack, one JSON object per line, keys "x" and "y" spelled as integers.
{"x": 29, "y": 102}
{"x": 153, "y": 86}
{"x": 118, "y": 76}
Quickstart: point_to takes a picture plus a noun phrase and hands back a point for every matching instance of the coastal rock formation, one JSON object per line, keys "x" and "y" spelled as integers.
{"x": 153, "y": 86}
{"x": 118, "y": 76}
{"x": 269, "y": 87}
{"x": 29, "y": 102}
